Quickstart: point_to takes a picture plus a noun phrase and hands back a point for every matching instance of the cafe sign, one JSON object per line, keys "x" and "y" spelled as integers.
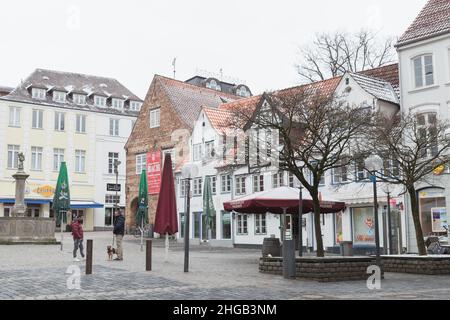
{"x": 45, "y": 191}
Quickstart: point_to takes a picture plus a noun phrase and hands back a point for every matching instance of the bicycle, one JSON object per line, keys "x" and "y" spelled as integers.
{"x": 434, "y": 246}
{"x": 138, "y": 231}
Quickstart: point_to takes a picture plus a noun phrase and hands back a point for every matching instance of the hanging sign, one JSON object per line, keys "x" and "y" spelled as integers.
{"x": 154, "y": 171}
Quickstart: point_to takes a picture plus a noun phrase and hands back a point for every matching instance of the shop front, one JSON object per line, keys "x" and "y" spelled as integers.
{"x": 433, "y": 211}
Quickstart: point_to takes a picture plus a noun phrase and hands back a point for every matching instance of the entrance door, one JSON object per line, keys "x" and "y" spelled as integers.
{"x": 197, "y": 225}
{"x": 205, "y": 228}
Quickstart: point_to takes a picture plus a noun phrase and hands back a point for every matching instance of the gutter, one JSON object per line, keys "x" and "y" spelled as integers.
{"x": 398, "y": 46}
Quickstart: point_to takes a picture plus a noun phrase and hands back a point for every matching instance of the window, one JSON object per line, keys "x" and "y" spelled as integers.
{"x": 39, "y": 94}
{"x": 278, "y": 180}
{"x": 226, "y": 225}
{"x": 423, "y": 71}
{"x": 81, "y": 123}
{"x": 135, "y": 106}
{"x": 212, "y": 84}
{"x": 117, "y": 103}
{"x": 361, "y": 173}
{"x": 141, "y": 163}
{"x": 58, "y": 157}
{"x": 183, "y": 185}
{"x": 240, "y": 185}
{"x": 99, "y": 101}
{"x": 112, "y": 157}
{"x": 213, "y": 184}
{"x": 80, "y": 161}
{"x": 242, "y": 224}
{"x": 114, "y": 127}
{"x": 258, "y": 183}
{"x": 197, "y": 152}
{"x": 198, "y": 186}
{"x": 432, "y": 213}
{"x": 225, "y": 181}
{"x": 155, "y": 118}
{"x": 59, "y": 121}
{"x": 340, "y": 175}
{"x": 59, "y": 96}
{"x": 112, "y": 199}
{"x": 36, "y": 158}
{"x": 292, "y": 180}
{"x": 13, "y": 156}
{"x": 243, "y": 92}
{"x": 426, "y": 124}
{"x": 37, "y": 119}
{"x": 391, "y": 168}
{"x": 14, "y": 116}
{"x": 260, "y": 224}
{"x": 209, "y": 150}
{"x": 79, "y": 99}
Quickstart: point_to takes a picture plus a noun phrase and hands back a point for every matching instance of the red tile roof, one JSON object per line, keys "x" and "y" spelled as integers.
{"x": 387, "y": 73}
{"x": 220, "y": 119}
{"x": 433, "y": 20}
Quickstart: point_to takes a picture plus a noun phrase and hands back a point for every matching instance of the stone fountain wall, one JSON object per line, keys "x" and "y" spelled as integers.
{"x": 24, "y": 230}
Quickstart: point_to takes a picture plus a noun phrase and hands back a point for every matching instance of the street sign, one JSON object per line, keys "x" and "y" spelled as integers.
{"x": 113, "y": 187}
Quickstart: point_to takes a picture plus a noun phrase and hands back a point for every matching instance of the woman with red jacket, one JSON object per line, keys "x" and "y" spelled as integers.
{"x": 77, "y": 233}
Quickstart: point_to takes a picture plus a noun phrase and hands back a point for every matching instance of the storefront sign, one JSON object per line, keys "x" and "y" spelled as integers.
{"x": 154, "y": 172}
{"x": 45, "y": 191}
{"x": 113, "y": 187}
{"x": 439, "y": 170}
{"x": 439, "y": 219}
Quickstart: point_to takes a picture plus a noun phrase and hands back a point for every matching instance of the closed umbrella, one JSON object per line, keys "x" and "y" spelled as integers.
{"x": 166, "y": 221}
{"x": 142, "y": 213}
{"x": 61, "y": 199}
{"x": 208, "y": 206}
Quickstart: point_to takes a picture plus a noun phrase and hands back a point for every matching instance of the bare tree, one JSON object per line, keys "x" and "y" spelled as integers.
{"x": 315, "y": 132}
{"x": 412, "y": 147}
{"x": 332, "y": 54}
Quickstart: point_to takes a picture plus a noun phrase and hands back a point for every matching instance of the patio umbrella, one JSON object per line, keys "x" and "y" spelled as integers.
{"x": 61, "y": 199}
{"x": 208, "y": 206}
{"x": 142, "y": 212}
{"x": 166, "y": 213}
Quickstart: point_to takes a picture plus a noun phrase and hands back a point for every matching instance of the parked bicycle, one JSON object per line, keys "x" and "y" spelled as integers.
{"x": 434, "y": 245}
{"x": 138, "y": 231}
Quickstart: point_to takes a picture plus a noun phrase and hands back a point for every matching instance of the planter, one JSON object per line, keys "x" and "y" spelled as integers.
{"x": 431, "y": 264}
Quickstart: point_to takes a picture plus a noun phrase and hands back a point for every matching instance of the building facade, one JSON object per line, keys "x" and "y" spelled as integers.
{"x": 80, "y": 119}
{"x": 424, "y": 59}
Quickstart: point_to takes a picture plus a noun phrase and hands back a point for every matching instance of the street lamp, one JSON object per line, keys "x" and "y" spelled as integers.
{"x": 373, "y": 164}
{"x": 387, "y": 190}
{"x": 188, "y": 172}
{"x": 116, "y": 164}
{"x": 300, "y": 221}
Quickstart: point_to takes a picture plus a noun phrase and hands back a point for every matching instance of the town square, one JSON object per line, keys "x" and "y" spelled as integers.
{"x": 148, "y": 169}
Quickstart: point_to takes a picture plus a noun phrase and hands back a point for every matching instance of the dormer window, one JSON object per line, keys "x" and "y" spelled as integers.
{"x": 99, "y": 101}
{"x": 242, "y": 91}
{"x": 39, "y": 94}
{"x": 79, "y": 99}
{"x": 135, "y": 106}
{"x": 212, "y": 84}
{"x": 59, "y": 96}
{"x": 117, "y": 103}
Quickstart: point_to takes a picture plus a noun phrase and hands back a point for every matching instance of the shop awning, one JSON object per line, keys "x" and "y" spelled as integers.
{"x": 85, "y": 205}
{"x": 27, "y": 201}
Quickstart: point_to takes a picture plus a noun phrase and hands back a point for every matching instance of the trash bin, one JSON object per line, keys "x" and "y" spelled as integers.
{"x": 346, "y": 248}
{"x": 271, "y": 246}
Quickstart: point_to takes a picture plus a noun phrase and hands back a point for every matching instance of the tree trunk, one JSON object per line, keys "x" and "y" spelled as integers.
{"x": 317, "y": 227}
{"x": 416, "y": 218}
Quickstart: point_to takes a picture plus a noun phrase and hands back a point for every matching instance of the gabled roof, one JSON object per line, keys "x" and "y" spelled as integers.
{"x": 432, "y": 21}
{"x": 188, "y": 99}
{"x": 378, "y": 88}
{"x": 220, "y": 119}
{"x": 387, "y": 73}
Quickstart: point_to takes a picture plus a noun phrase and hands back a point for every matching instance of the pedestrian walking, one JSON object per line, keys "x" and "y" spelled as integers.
{"x": 119, "y": 231}
{"x": 77, "y": 233}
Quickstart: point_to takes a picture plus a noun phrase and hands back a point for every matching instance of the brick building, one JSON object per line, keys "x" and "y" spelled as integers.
{"x": 166, "y": 119}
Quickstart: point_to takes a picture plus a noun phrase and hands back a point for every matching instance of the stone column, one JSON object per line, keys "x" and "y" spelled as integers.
{"x": 20, "y": 208}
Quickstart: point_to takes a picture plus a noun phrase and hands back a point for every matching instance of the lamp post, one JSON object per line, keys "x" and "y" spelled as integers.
{"x": 117, "y": 163}
{"x": 372, "y": 166}
{"x": 188, "y": 172}
{"x": 300, "y": 222}
{"x": 389, "y": 221}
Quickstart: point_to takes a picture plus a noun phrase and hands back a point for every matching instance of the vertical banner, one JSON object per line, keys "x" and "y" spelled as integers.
{"x": 154, "y": 171}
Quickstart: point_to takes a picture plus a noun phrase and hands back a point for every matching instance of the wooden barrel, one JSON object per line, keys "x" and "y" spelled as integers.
{"x": 271, "y": 246}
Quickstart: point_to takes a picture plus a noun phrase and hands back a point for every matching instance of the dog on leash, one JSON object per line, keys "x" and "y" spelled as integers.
{"x": 111, "y": 251}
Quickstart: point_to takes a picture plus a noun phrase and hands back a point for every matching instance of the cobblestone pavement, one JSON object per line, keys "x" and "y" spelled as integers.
{"x": 39, "y": 272}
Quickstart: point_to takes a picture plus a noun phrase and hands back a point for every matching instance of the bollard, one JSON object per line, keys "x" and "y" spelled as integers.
{"x": 148, "y": 256}
{"x": 89, "y": 257}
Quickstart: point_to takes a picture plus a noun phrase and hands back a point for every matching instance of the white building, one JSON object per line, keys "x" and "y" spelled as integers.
{"x": 80, "y": 119}
{"x": 424, "y": 59}
{"x": 233, "y": 179}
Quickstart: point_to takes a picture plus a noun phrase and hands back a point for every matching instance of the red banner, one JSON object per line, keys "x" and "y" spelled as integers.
{"x": 154, "y": 172}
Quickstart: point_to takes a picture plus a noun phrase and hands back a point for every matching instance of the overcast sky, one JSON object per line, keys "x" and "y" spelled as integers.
{"x": 255, "y": 41}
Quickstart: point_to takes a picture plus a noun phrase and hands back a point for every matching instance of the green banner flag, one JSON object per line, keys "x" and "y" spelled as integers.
{"x": 61, "y": 199}
{"x": 142, "y": 214}
{"x": 208, "y": 204}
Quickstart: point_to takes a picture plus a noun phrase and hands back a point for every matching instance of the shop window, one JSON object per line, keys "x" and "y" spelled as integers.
{"x": 432, "y": 215}
{"x": 226, "y": 225}
{"x": 363, "y": 225}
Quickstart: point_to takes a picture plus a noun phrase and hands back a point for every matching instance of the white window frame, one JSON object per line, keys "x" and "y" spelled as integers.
{"x": 183, "y": 187}
{"x": 213, "y": 180}
{"x": 99, "y": 101}
{"x": 58, "y": 157}
{"x": 240, "y": 188}
{"x": 361, "y": 172}
{"x": 242, "y": 224}
{"x": 337, "y": 175}
{"x": 38, "y": 93}
{"x": 135, "y": 106}
{"x": 117, "y": 103}
{"x": 197, "y": 152}
{"x": 112, "y": 156}
{"x": 14, "y": 116}
{"x": 60, "y": 121}
{"x": 225, "y": 183}
{"x": 258, "y": 183}
{"x": 141, "y": 163}
{"x": 155, "y": 118}
{"x": 197, "y": 187}
{"x": 260, "y": 224}
{"x": 36, "y": 158}
{"x": 277, "y": 179}
{"x": 37, "y": 119}
{"x": 13, "y": 156}
{"x": 423, "y": 75}
{"x": 114, "y": 127}
{"x": 209, "y": 149}
{"x": 79, "y": 99}
{"x": 80, "y": 161}
{"x": 59, "y": 96}
{"x": 80, "y": 126}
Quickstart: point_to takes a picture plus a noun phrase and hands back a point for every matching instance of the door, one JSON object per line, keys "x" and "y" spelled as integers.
{"x": 197, "y": 225}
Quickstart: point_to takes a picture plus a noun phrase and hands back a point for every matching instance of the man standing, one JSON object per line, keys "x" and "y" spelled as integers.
{"x": 77, "y": 233}
{"x": 119, "y": 231}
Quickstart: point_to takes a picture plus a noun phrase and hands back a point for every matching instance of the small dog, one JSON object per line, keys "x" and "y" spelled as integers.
{"x": 111, "y": 251}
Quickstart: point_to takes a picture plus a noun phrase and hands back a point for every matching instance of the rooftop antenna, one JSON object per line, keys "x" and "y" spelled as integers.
{"x": 174, "y": 67}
